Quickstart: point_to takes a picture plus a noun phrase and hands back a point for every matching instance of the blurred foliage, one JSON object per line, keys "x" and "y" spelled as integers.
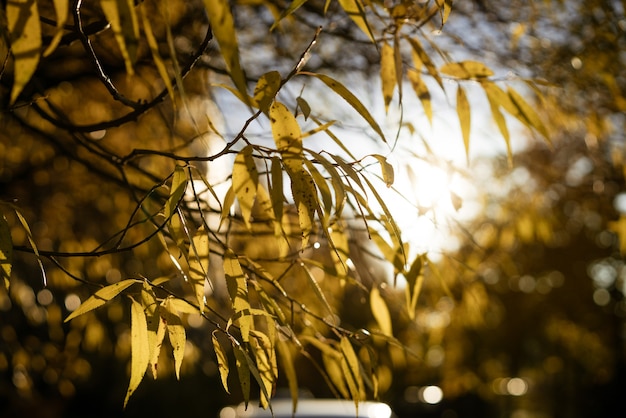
{"x": 156, "y": 208}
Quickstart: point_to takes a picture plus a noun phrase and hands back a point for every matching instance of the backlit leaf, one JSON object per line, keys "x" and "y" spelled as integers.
{"x": 176, "y": 334}
{"x": 528, "y": 113}
{"x": 422, "y": 92}
{"x": 139, "y": 348}
{"x": 305, "y": 197}
{"x": 288, "y": 369}
{"x": 243, "y": 371}
{"x": 61, "y": 8}
{"x": 245, "y": 181}
{"x": 276, "y": 188}
{"x": 356, "y": 10}
{"x": 266, "y": 89}
{"x": 223, "y": 26}
{"x": 25, "y": 36}
{"x": 318, "y": 290}
{"x": 295, "y": 5}
{"x": 352, "y": 370}
{"x": 423, "y": 57}
{"x": 123, "y": 20}
{"x": 386, "y": 169}
{"x": 287, "y": 136}
{"x": 6, "y": 251}
{"x": 380, "y": 312}
{"x": 463, "y": 110}
{"x": 336, "y": 373}
{"x": 199, "y": 264}
{"x": 222, "y": 361}
{"x": 155, "y": 325}
{"x": 501, "y": 123}
{"x": 177, "y": 189}
{"x": 349, "y": 97}
{"x": 466, "y": 69}
{"x": 154, "y": 50}
{"x": 387, "y": 73}
{"x": 266, "y": 365}
{"x": 238, "y": 291}
{"x": 101, "y": 297}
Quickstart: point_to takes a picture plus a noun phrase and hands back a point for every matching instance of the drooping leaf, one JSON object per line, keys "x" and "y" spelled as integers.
{"x": 139, "y": 348}
{"x": 223, "y": 26}
{"x": 227, "y": 204}
{"x": 288, "y": 368}
{"x": 466, "y": 69}
{"x": 266, "y": 364}
{"x": 176, "y": 334}
{"x": 304, "y": 107}
{"x": 415, "y": 279}
{"x": 463, "y": 110}
{"x": 101, "y": 297}
{"x": 318, "y": 291}
{"x": 25, "y": 37}
{"x": 337, "y": 372}
{"x": 386, "y": 169}
{"x": 295, "y": 5}
{"x": 222, "y": 361}
{"x": 238, "y": 291}
{"x": 422, "y": 55}
{"x": 61, "y": 8}
{"x": 422, "y": 92}
{"x": 154, "y": 50}
{"x": 123, "y": 20}
{"x": 336, "y": 180}
{"x": 155, "y": 325}
{"x": 287, "y": 136}
{"x": 387, "y": 73}
{"x": 321, "y": 184}
{"x": 531, "y": 118}
{"x": 352, "y": 100}
{"x": 245, "y": 179}
{"x": 243, "y": 371}
{"x": 351, "y": 369}
{"x": 305, "y": 197}
{"x": 199, "y": 264}
{"x": 6, "y": 251}
{"x": 501, "y": 123}
{"x": 356, "y": 10}
{"x": 380, "y": 312}
{"x": 177, "y": 189}
{"x": 266, "y": 89}
{"x": 276, "y": 188}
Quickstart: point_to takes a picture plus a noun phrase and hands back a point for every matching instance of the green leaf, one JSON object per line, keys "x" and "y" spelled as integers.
{"x": 223, "y": 26}
{"x": 387, "y": 73}
{"x": 245, "y": 179}
{"x": 466, "y": 70}
{"x": 352, "y": 100}
{"x": 101, "y": 297}
{"x": 176, "y": 334}
{"x": 381, "y": 312}
{"x": 25, "y": 37}
{"x": 422, "y": 92}
{"x": 356, "y": 10}
{"x": 266, "y": 89}
{"x": 238, "y": 291}
{"x": 139, "y": 348}
{"x": 463, "y": 110}
{"x": 6, "y": 251}
{"x": 199, "y": 264}
{"x": 222, "y": 361}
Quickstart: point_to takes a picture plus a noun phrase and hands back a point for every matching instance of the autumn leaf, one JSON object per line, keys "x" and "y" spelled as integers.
{"x": 101, "y": 297}
{"x": 245, "y": 182}
{"x": 380, "y": 312}
{"x": 139, "y": 348}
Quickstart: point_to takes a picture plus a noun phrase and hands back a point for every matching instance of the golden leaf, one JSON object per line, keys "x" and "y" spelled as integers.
{"x": 245, "y": 179}
{"x": 101, "y": 297}
{"x": 380, "y": 312}
{"x": 140, "y": 348}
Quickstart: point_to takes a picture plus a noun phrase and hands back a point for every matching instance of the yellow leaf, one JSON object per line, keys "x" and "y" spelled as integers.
{"x": 266, "y": 89}
{"x": 386, "y": 169}
{"x": 154, "y": 50}
{"x": 25, "y": 37}
{"x": 352, "y": 100}
{"x": 387, "y": 73}
{"x": 101, "y": 297}
{"x": 266, "y": 365}
{"x": 223, "y": 26}
{"x": 289, "y": 370}
{"x": 287, "y": 136}
{"x": 176, "y": 334}
{"x": 61, "y": 9}
{"x": 199, "y": 264}
{"x": 500, "y": 122}
{"x": 243, "y": 371}
{"x": 238, "y": 291}
{"x": 336, "y": 373}
{"x": 356, "y": 10}
{"x": 380, "y": 312}
{"x": 179, "y": 185}
{"x": 318, "y": 291}
{"x": 415, "y": 279}
{"x": 463, "y": 110}
{"x": 155, "y": 325}
{"x": 6, "y": 251}
{"x": 422, "y": 93}
{"x": 305, "y": 197}
{"x": 222, "y": 361}
{"x": 245, "y": 179}
{"x": 352, "y": 370}
{"x": 123, "y": 20}
{"x": 139, "y": 348}
{"x": 422, "y": 56}
{"x": 531, "y": 118}
{"x": 295, "y": 5}
{"x": 466, "y": 69}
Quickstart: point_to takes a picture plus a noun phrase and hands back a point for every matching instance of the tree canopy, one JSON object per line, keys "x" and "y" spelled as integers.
{"x": 201, "y": 185}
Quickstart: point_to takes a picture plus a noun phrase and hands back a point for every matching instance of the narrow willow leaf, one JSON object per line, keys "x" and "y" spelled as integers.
{"x": 243, "y": 371}
{"x": 288, "y": 368}
{"x": 262, "y": 210}
{"x": 304, "y": 107}
{"x": 387, "y": 73}
{"x": 425, "y": 59}
{"x": 177, "y": 190}
{"x": 305, "y": 197}
{"x": 336, "y": 373}
{"x": 352, "y": 100}
{"x": 276, "y": 189}
{"x": 238, "y": 291}
{"x": 325, "y": 348}
{"x": 532, "y": 118}
{"x": 322, "y": 186}
{"x": 61, "y": 8}
{"x": 356, "y": 10}
{"x": 117, "y": 13}
{"x": 386, "y": 169}
{"x": 397, "y": 57}
{"x": 222, "y": 361}
{"x": 266, "y": 89}
{"x": 101, "y": 297}
{"x": 352, "y": 370}
{"x": 501, "y": 123}
{"x": 199, "y": 264}
{"x": 381, "y": 312}
{"x": 227, "y": 204}
{"x": 287, "y": 136}
{"x": 414, "y": 278}
{"x": 463, "y": 110}
{"x": 223, "y": 26}
{"x": 155, "y": 326}
{"x": 6, "y": 251}
{"x": 176, "y": 334}
{"x": 295, "y": 5}
{"x": 154, "y": 50}
{"x": 336, "y": 180}
{"x": 25, "y": 36}
{"x": 466, "y": 70}
{"x": 245, "y": 179}
{"x": 139, "y": 348}
{"x": 422, "y": 93}
{"x": 266, "y": 365}
{"x": 318, "y": 291}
